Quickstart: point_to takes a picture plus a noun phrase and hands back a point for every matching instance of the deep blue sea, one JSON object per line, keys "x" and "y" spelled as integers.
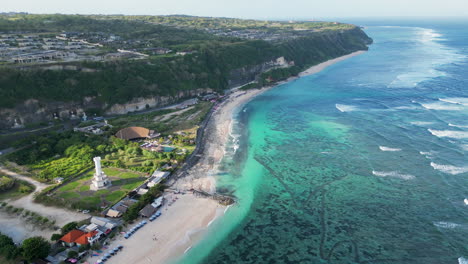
{"x": 365, "y": 162}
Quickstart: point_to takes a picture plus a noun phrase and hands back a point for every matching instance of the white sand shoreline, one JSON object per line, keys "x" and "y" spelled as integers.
{"x": 185, "y": 223}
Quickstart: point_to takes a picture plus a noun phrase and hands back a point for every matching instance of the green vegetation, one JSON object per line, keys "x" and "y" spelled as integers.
{"x": 210, "y": 63}
{"x": 58, "y": 154}
{"x": 8, "y": 249}
{"x": 165, "y": 121}
{"x": 6, "y": 183}
{"x": 31, "y": 249}
{"x": 35, "y": 247}
{"x": 77, "y": 195}
{"x": 11, "y": 188}
{"x": 145, "y": 199}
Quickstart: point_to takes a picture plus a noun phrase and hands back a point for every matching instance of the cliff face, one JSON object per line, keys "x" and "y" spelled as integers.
{"x": 244, "y": 75}
{"x": 34, "y": 111}
{"x": 305, "y": 52}
{"x": 143, "y": 90}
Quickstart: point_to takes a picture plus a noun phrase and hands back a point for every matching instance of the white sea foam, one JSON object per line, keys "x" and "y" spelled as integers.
{"x": 428, "y": 154}
{"x": 345, "y": 108}
{"x": 419, "y": 70}
{"x": 422, "y": 123}
{"x": 442, "y": 106}
{"x": 460, "y": 126}
{"x": 406, "y": 107}
{"x": 446, "y": 225}
{"x": 455, "y": 100}
{"x": 382, "y": 148}
{"x": 393, "y": 174}
{"x": 449, "y": 133}
{"x": 462, "y": 260}
{"x": 450, "y": 169}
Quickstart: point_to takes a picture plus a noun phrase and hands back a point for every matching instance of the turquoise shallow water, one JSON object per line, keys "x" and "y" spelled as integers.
{"x": 365, "y": 162}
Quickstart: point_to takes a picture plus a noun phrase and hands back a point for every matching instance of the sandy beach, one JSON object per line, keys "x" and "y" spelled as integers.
{"x": 170, "y": 235}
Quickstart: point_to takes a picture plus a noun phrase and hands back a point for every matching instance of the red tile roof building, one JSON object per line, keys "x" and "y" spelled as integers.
{"x": 79, "y": 237}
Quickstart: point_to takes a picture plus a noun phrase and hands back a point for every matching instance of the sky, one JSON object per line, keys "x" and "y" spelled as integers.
{"x": 257, "y": 9}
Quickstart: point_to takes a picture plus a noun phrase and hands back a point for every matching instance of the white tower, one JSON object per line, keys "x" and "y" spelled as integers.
{"x": 100, "y": 180}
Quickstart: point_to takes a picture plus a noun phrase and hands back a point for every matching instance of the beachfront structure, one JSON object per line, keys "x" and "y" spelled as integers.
{"x": 148, "y": 211}
{"x": 157, "y": 177}
{"x": 100, "y": 180}
{"x": 78, "y": 237}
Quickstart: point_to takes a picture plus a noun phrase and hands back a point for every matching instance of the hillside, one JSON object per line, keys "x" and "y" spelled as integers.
{"x": 160, "y": 59}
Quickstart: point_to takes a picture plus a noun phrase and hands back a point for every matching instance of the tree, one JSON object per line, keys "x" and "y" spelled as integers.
{"x": 35, "y": 247}
{"x": 72, "y": 254}
{"x": 69, "y": 227}
{"x": 55, "y": 237}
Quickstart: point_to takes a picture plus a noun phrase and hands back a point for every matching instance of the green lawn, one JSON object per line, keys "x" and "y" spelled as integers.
{"x": 77, "y": 194}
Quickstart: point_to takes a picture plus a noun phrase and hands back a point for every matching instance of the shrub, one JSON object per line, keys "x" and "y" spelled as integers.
{"x": 55, "y": 237}
{"x": 72, "y": 254}
{"x": 6, "y": 183}
{"x": 69, "y": 227}
{"x": 25, "y": 188}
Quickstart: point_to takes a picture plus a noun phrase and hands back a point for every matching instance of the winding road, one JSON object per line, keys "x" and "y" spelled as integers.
{"x": 60, "y": 215}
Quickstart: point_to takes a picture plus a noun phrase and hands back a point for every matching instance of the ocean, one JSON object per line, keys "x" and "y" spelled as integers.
{"x": 364, "y": 162}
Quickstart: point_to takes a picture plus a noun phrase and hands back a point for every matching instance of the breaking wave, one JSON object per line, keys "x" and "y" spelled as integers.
{"x": 428, "y": 154}
{"x": 446, "y": 225}
{"x": 449, "y": 133}
{"x": 450, "y": 169}
{"x": 462, "y": 260}
{"x": 460, "y": 126}
{"x": 345, "y": 108}
{"x": 422, "y": 123}
{"x": 393, "y": 174}
{"x": 455, "y": 100}
{"x": 442, "y": 106}
{"x": 382, "y": 148}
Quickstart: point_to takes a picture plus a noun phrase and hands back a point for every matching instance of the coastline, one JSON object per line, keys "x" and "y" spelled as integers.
{"x": 184, "y": 223}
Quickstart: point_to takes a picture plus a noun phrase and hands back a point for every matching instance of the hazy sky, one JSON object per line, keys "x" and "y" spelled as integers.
{"x": 246, "y": 8}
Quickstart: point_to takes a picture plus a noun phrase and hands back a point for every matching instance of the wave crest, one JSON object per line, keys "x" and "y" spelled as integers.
{"x": 382, "y": 148}
{"x": 393, "y": 174}
{"x": 455, "y": 100}
{"x": 450, "y": 169}
{"x": 460, "y": 126}
{"x": 449, "y": 133}
{"x": 446, "y": 225}
{"x": 442, "y": 106}
{"x": 345, "y": 108}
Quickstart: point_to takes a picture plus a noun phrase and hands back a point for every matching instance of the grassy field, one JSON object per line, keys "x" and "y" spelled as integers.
{"x": 79, "y": 195}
